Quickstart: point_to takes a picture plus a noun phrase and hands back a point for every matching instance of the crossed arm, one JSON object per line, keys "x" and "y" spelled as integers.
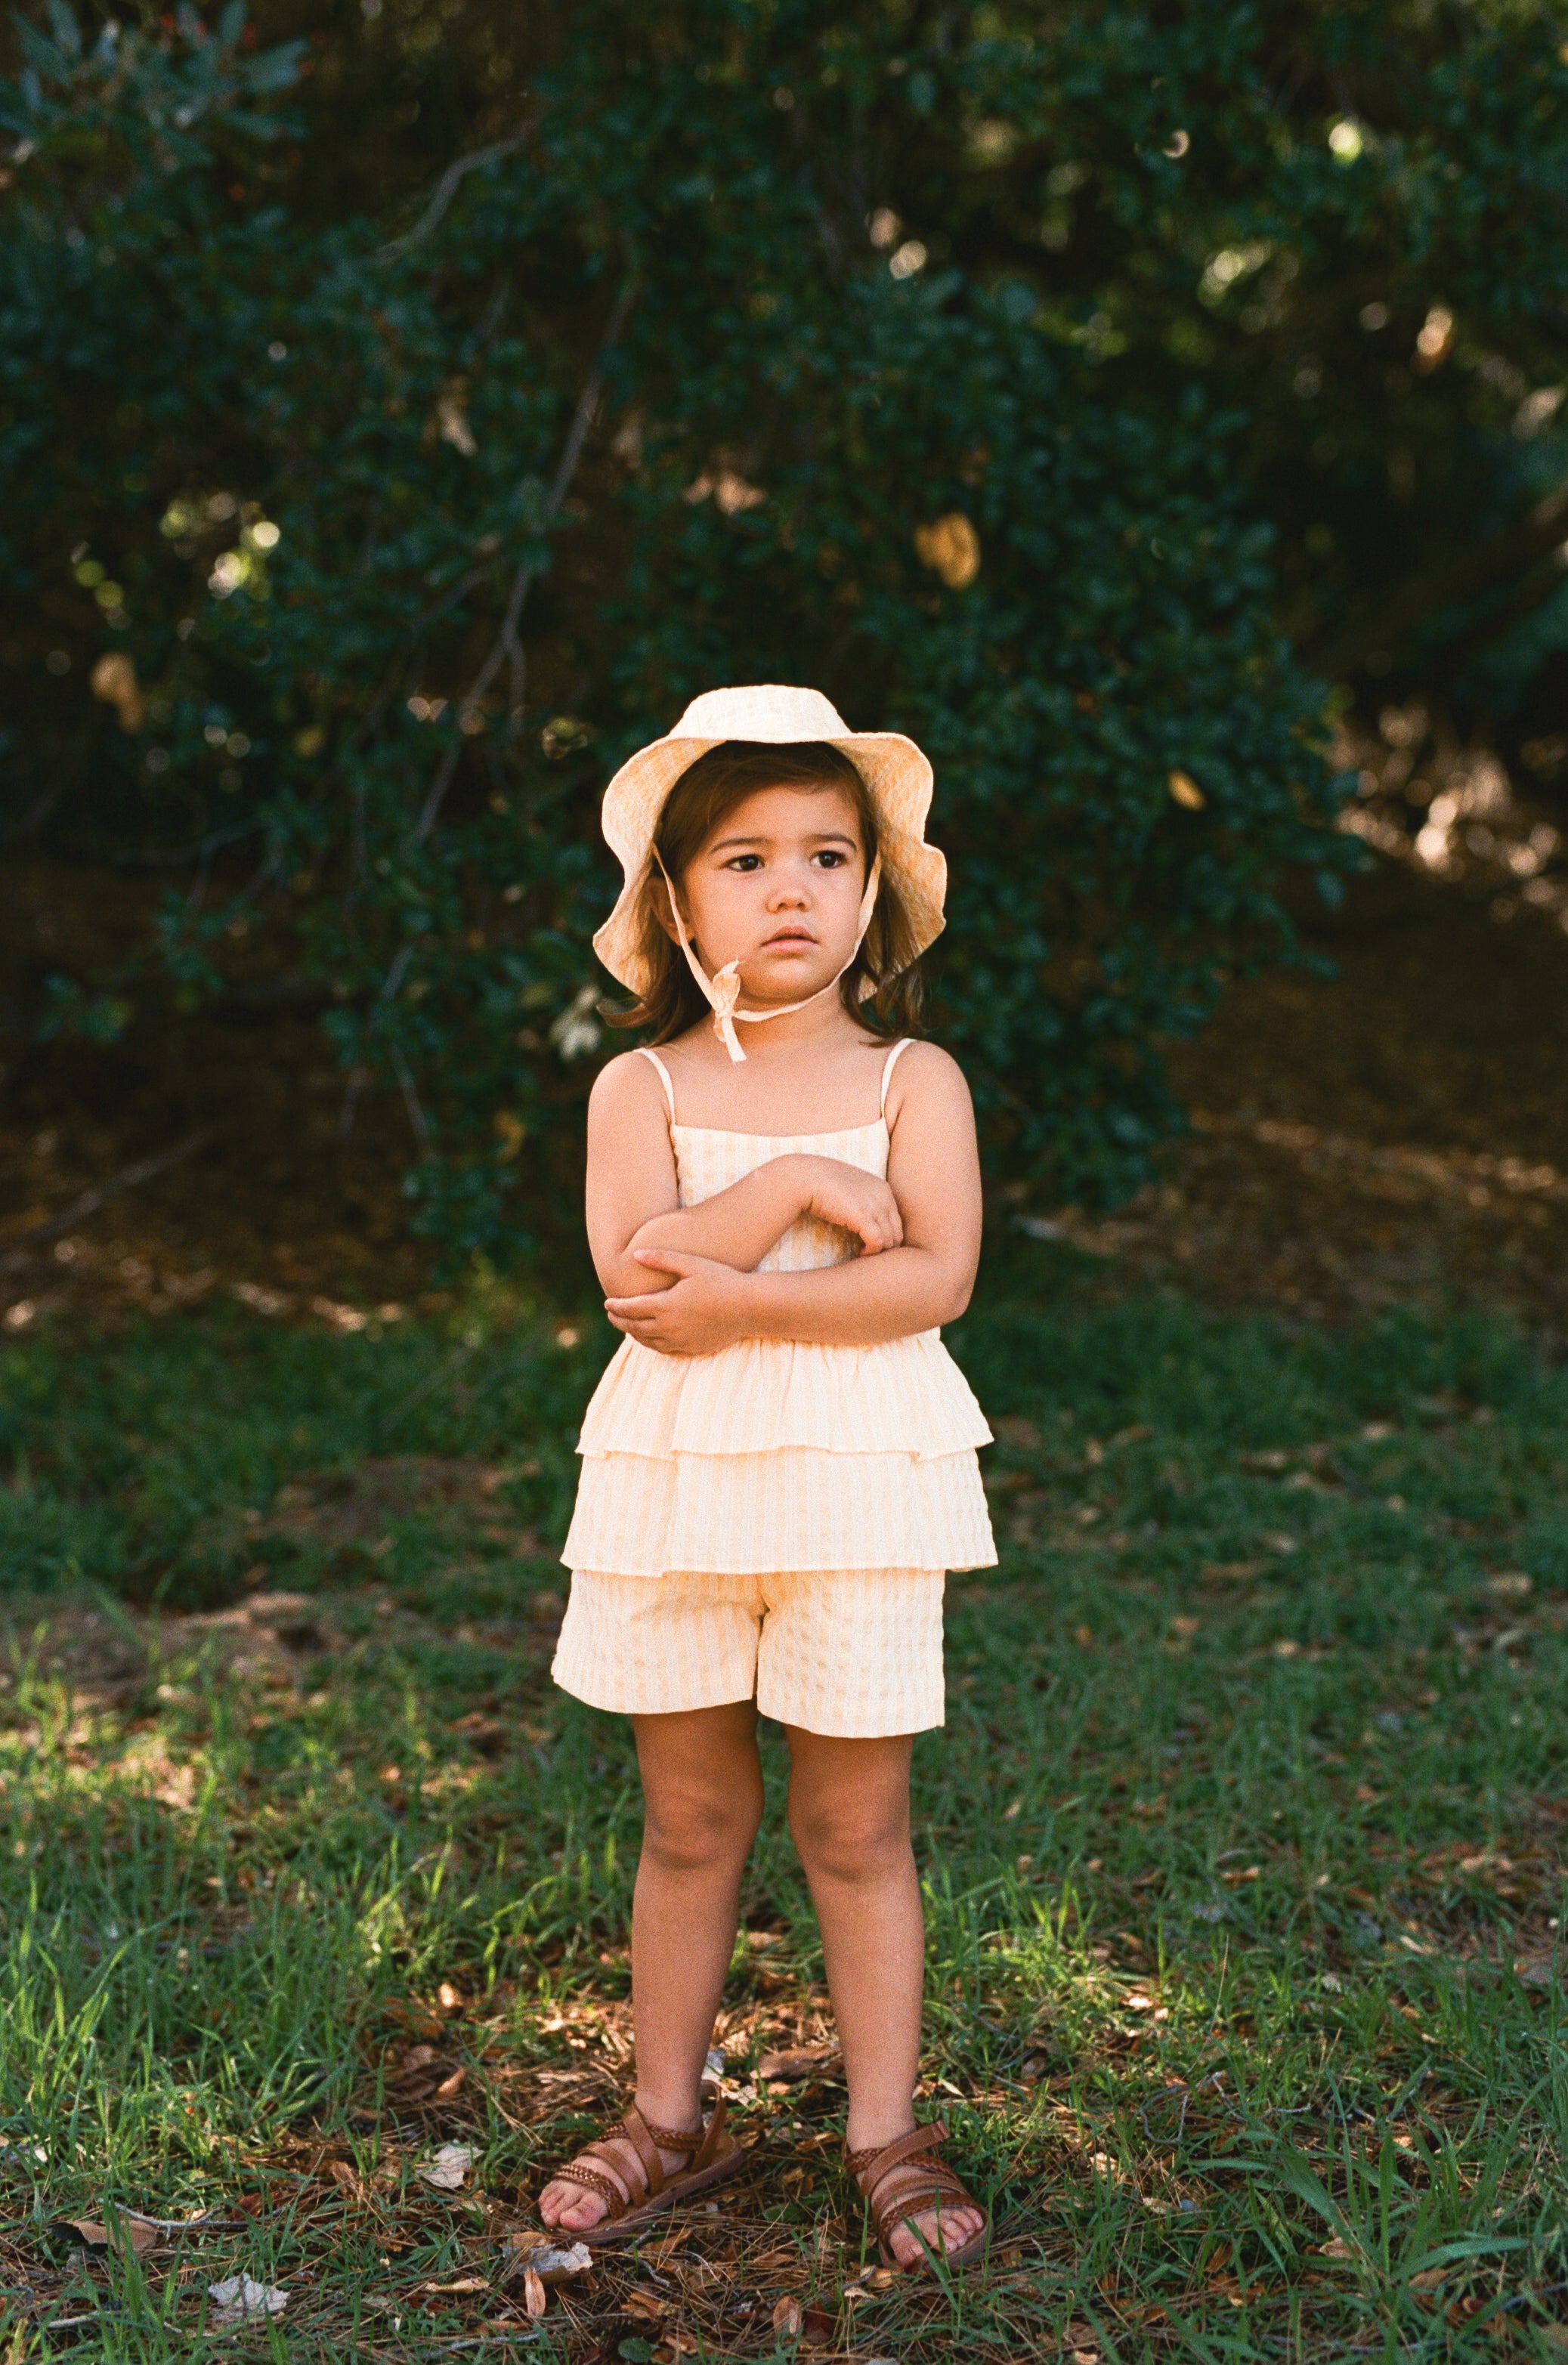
{"x": 683, "y": 1280}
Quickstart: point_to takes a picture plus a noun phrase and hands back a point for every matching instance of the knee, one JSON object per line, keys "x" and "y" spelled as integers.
{"x": 693, "y": 1827}
{"x": 844, "y": 1840}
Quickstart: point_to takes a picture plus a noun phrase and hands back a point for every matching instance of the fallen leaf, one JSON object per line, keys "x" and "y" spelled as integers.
{"x": 645, "y": 2305}
{"x": 449, "y": 2085}
{"x": 446, "y": 1995}
{"x": 449, "y": 2170}
{"x": 547, "y": 2260}
{"x": 670, "y": 2244}
{"x": 464, "y": 2283}
{"x": 787, "y": 2319}
{"x": 1429, "y": 2279}
{"x": 1337, "y": 2249}
{"x": 128, "y": 2233}
{"x": 818, "y": 2325}
{"x": 241, "y": 2301}
{"x": 771, "y": 2260}
{"x": 798, "y": 2061}
{"x": 532, "y": 2292}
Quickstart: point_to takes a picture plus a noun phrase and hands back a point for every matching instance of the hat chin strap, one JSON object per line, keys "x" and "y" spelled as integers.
{"x": 721, "y": 991}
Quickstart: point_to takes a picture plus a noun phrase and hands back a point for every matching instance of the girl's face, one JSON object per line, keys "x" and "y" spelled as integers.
{"x": 777, "y": 889}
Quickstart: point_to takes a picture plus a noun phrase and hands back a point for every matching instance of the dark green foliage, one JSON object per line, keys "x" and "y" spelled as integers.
{"x": 657, "y": 396}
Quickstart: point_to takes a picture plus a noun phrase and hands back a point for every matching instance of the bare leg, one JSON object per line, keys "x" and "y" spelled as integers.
{"x": 702, "y": 1803}
{"x": 849, "y": 1817}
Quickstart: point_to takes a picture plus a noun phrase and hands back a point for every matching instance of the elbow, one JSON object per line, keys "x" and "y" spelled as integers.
{"x": 957, "y": 1300}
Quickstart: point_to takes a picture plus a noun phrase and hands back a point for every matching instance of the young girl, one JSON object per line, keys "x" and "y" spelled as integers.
{"x": 779, "y": 1464}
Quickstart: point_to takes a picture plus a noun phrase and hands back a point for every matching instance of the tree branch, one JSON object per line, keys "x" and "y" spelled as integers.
{"x": 508, "y": 644}
{"x": 144, "y": 1169}
{"x": 1396, "y": 615}
{"x": 445, "y": 189}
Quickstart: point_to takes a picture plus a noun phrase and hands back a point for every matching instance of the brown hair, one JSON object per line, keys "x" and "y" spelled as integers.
{"x": 705, "y": 795}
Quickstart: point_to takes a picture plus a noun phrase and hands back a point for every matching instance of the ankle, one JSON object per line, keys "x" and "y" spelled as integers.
{"x": 674, "y": 2110}
{"x": 874, "y": 2130}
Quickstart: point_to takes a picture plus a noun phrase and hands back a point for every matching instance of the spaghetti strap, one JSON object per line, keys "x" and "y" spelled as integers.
{"x": 889, "y": 1064}
{"x": 644, "y": 1053}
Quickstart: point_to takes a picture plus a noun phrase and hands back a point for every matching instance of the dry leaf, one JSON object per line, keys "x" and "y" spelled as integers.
{"x": 114, "y": 680}
{"x": 645, "y": 2305}
{"x": 798, "y": 2061}
{"x": 448, "y": 1998}
{"x": 128, "y": 2233}
{"x": 1337, "y": 2249}
{"x": 241, "y": 2301}
{"x": 951, "y": 549}
{"x": 666, "y": 2250}
{"x": 532, "y": 2292}
{"x": 771, "y": 2260}
{"x": 545, "y": 2260}
{"x": 786, "y": 2317}
{"x": 1186, "y": 791}
{"x": 449, "y": 2170}
{"x": 464, "y": 2283}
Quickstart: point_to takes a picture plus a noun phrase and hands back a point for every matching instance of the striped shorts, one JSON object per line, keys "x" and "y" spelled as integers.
{"x": 852, "y": 1654}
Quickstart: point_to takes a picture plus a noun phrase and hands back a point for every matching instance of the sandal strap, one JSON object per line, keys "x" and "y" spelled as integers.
{"x": 643, "y": 2177}
{"x": 913, "y": 2194}
{"x": 674, "y": 2139}
{"x": 707, "y": 2150}
{"x": 898, "y": 2186}
{"x": 868, "y": 2167}
{"x": 577, "y": 2171}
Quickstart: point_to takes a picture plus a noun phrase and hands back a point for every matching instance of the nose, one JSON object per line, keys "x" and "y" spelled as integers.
{"x": 792, "y": 890}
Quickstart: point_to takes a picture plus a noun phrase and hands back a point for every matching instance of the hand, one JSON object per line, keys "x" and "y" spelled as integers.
{"x": 855, "y": 1201}
{"x": 703, "y": 1310}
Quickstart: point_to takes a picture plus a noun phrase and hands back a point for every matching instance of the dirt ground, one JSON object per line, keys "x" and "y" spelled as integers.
{"x": 1395, "y": 1131}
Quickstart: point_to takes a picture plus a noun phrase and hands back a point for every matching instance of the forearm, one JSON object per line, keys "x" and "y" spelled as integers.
{"x": 737, "y": 1227}
{"x": 862, "y": 1303}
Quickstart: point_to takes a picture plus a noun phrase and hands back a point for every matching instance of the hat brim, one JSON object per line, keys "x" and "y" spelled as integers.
{"x": 898, "y": 780}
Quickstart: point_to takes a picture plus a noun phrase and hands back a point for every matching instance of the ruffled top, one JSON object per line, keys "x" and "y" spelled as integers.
{"x": 775, "y": 1454}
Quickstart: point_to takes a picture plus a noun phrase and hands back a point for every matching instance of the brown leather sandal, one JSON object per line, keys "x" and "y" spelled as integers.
{"x": 897, "y": 2187}
{"x": 716, "y": 2155}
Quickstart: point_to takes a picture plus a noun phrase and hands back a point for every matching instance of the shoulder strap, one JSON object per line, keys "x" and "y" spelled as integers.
{"x": 890, "y": 1063}
{"x": 644, "y": 1053}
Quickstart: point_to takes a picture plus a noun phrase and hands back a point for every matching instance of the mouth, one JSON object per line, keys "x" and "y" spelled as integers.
{"x": 790, "y": 937}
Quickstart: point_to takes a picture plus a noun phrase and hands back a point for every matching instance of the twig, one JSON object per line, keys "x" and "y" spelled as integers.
{"x": 417, "y": 1117}
{"x": 507, "y": 644}
{"x": 91, "y": 1201}
{"x": 207, "y": 2223}
{"x": 453, "y": 1363}
{"x": 445, "y": 189}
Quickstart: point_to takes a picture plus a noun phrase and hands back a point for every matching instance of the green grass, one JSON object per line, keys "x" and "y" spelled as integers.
{"x": 1244, "y": 1848}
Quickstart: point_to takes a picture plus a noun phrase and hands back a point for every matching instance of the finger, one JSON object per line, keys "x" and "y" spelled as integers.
{"x": 667, "y": 1261}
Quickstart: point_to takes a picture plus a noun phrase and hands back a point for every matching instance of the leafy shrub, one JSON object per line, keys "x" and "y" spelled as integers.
{"x": 813, "y": 345}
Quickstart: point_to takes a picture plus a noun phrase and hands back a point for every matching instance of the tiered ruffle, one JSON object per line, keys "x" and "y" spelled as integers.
{"x": 775, "y": 1455}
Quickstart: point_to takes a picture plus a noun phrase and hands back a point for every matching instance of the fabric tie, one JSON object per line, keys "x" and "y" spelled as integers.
{"x": 721, "y": 991}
